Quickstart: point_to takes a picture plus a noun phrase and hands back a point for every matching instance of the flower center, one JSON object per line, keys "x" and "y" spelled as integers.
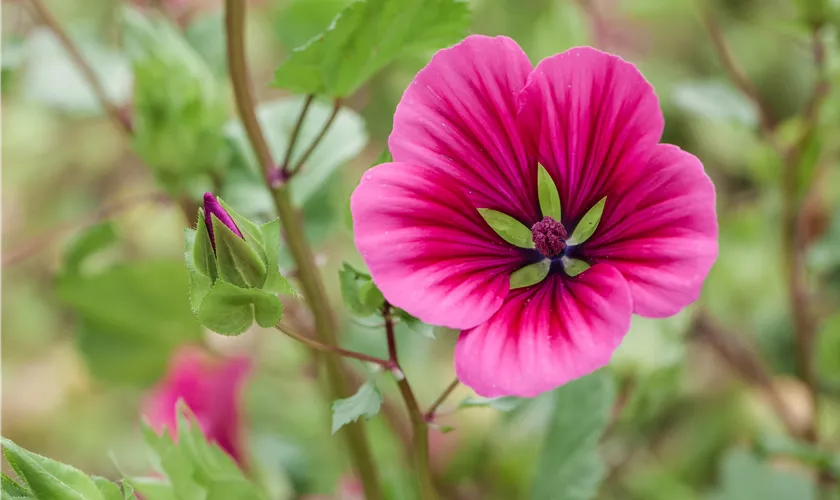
{"x": 549, "y": 237}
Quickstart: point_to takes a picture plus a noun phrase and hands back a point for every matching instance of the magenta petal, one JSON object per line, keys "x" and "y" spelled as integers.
{"x": 213, "y": 207}
{"x": 661, "y": 232}
{"x": 459, "y": 114}
{"x": 547, "y": 335}
{"x": 590, "y": 116}
{"x": 427, "y": 248}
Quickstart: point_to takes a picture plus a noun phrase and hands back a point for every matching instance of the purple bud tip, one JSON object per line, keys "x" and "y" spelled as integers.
{"x": 213, "y": 207}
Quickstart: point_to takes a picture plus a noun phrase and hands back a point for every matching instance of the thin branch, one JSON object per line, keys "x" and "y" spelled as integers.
{"x": 82, "y": 65}
{"x": 419, "y": 427}
{"x": 295, "y": 132}
{"x": 306, "y": 154}
{"x": 432, "y": 411}
{"x": 31, "y": 247}
{"x": 386, "y": 364}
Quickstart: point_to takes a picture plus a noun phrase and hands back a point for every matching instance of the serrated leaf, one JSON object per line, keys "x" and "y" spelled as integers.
{"x": 199, "y": 283}
{"x": 351, "y": 282}
{"x": 744, "y": 477}
{"x": 574, "y": 267}
{"x": 548, "y": 195}
{"x": 570, "y": 467}
{"x": 230, "y": 310}
{"x": 238, "y": 263}
{"x": 530, "y": 274}
{"x": 588, "y": 223}
{"x": 508, "y": 228}
{"x": 274, "y": 281}
{"x": 10, "y": 488}
{"x": 365, "y": 37}
{"x": 203, "y": 257}
{"x": 86, "y": 243}
{"x": 47, "y": 478}
{"x": 365, "y": 403}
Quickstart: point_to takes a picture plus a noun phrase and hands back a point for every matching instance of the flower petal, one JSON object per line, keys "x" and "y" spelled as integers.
{"x": 589, "y": 116}
{"x": 459, "y": 114}
{"x": 427, "y": 247}
{"x": 546, "y": 335}
{"x": 661, "y": 233}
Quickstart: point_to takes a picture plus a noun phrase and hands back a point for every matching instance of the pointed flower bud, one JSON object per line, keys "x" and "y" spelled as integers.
{"x": 213, "y": 207}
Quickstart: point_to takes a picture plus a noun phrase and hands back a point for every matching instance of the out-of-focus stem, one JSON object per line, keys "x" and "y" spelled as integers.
{"x": 419, "y": 427}
{"x": 314, "y": 344}
{"x": 430, "y": 413}
{"x": 306, "y": 154}
{"x": 309, "y": 276}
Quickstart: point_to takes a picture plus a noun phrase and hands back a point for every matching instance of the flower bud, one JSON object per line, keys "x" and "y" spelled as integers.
{"x": 213, "y": 207}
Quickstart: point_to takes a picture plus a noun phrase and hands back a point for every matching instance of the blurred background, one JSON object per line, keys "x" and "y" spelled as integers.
{"x": 87, "y": 334}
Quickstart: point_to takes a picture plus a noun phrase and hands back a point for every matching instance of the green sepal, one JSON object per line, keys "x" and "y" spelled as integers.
{"x": 204, "y": 259}
{"x": 200, "y": 283}
{"x": 371, "y": 296}
{"x": 530, "y": 274}
{"x": 588, "y": 223}
{"x": 548, "y": 195}
{"x": 274, "y": 281}
{"x": 250, "y": 231}
{"x": 574, "y": 267}
{"x": 238, "y": 263}
{"x": 230, "y": 310}
{"x": 508, "y": 228}
{"x": 47, "y": 478}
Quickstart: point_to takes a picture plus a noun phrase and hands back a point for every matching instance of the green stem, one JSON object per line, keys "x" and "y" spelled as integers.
{"x": 419, "y": 427}
{"x": 310, "y": 278}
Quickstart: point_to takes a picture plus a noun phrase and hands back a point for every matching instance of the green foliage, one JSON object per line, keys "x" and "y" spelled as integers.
{"x": 588, "y": 223}
{"x": 131, "y": 317}
{"x": 352, "y": 283}
{"x": 744, "y": 477}
{"x": 86, "y": 243}
{"x": 365, "y": 403}
{"x": 365, "y": 37}
{"x": 548, "y": 195}
{"x": 344, "y": 141}
{"x": 570, "y": 467}
{"x": 179, "y": 107}
{"x": 42, "y": 478}
{"x": 237, "y": 283}
{"x": 715, "y": 101}
{"x": 191, "y": 468}
{"x": 530, "y": 274}
{"x": 508, "y": 228}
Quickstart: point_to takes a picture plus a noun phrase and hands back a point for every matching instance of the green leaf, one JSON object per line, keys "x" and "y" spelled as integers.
{"x": 203, "y": 256}
{"x": 715, "y": 101}
{"x": 274, "y": 281}
{"x": 302, "y": 20}
{"x": 548, "y": 195}
{"x": 230, "y": 310}
{"x": 206, "y": 35}
{"x": 588, "y": 223}
{"x": 252, "y": 232}
{"x": 530, "y": 274}
{"x": 131, "y": 318}
{"x": 86, "y": 243}
{"x": 154, "y": 488}
{"x": 415, "y": 324}
{"x": 365, "y": 37}
{"x": 108, "y": 490}
{"x": 744, "y": 477}
{"x": 365, "y": 403}
{"x": 238, "y": 263}
{"x": 199, "y": 282}
{"x": 504, "y": 403}
{"x": 384, "y": 157}
{"x": 345, "y": 139}
{"x": 11, "y": 489}
{"x": 47, "y": 478}
{"x": 570, "y": 467}
{"x": 371, "y": 296}
{"x": 351, "y": 282}
{"x": 574, "y": 267}
{"x": 508, "y": 228}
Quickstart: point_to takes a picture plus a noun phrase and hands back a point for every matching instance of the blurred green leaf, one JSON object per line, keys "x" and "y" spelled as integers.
{"x": 351, "y": 282}
{"x": 588, "y": 224}
{"x": 230, "y": 310}
{"x": 132, "y": 316}
{"x": 86, "y": 243}
{"x": 371, "y": 296}
{"x": 828, "y": 347}
{"x": 345, "y": 139}
{"x": 414, "y": 324}
{"x": 365, "y": 403}
{"x": 302, "y": 20}
{"x": 47, "y": 478}
{"x": 508, "y": 228}
{"x": 111, "y": 491}
{"x": 206, "y": 34}
{"x": 50, "y": 77}
{"x": 570, "y": 467}
{"x": 715, "y": 101}
{"x": 504, "y": 403}
{"x": 744, "y": 477}
{"x": 365, "y": 37}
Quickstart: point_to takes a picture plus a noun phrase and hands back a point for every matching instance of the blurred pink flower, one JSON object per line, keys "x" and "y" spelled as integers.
{"x": 468, "y": 134}
{"x": 211, "y": 388}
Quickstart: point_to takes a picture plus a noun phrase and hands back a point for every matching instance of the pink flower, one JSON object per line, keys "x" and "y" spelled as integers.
{"x": 469, "y": 134}
{"x": 210, "y": 388}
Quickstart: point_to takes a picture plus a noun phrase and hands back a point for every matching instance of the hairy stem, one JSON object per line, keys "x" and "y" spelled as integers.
{"x": 82, "y": 65}
{"x": 419, "y": 427}
{"x": 309, "y": 276}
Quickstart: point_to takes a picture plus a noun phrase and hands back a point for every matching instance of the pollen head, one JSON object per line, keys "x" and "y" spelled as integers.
{"x": 549, "y": 237}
